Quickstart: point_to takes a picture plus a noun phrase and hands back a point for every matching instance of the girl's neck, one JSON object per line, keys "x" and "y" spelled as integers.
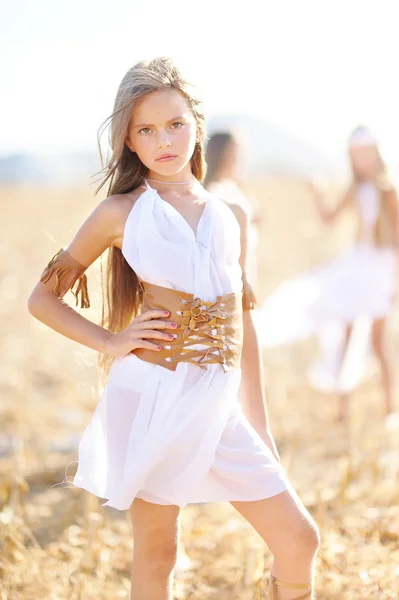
{"x": 223, "y": 174}
{"x": 227, "y": 175}
{"x": 171, "y": 183}
{"x": 184, "y": 175}
{"x": 368, "y": 180}
{"x": 180, "y": 185}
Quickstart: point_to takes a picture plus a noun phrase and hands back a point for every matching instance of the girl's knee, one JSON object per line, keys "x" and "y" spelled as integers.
{"x": 309, "y": 538}
{"x": 305, "y": 538}
{"x": 379, "y": 340}
{"x": 160, "y": 565}
{"x": 379, "y": 348}
{"x": 157, "y": 556}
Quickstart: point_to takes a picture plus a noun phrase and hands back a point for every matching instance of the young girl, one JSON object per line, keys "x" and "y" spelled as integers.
{"x": 224, "y": 157}
{"x": 355, "y": 292}
{"x": 168, "y": 429}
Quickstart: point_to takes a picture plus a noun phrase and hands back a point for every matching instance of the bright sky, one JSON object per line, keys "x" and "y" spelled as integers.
{"x": 314, "y": 67}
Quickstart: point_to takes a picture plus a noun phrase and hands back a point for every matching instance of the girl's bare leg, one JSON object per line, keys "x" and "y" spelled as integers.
{"x": 380, "y": 345}
{"x": 291, "y": 535}
{"x": 156, "y": 540}
{"x": 344, "y": 397}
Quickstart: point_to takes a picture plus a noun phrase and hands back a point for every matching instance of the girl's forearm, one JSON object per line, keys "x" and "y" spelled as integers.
{"x": 326, "y": 214}
{"x": 48, "y": 308}
{"x": 252, "y": 390}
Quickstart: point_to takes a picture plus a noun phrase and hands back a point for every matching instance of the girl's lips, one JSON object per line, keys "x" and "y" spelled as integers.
{"x": 166, "y": 158}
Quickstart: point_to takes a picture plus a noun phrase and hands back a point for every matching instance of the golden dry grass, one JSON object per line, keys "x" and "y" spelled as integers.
{"x": 57, "y": 543}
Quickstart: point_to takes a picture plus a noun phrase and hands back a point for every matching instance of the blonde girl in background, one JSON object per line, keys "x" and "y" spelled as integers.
{"x": 354, "y": 293}
{"x": 168, "y": 429}
{"x": 366, "y": 277}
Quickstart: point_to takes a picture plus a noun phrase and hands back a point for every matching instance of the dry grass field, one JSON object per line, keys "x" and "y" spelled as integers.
{"x": 58, "y": 543}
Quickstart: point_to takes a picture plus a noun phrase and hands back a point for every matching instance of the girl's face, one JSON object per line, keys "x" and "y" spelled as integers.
{"x": 163, "y": 131}
{"x": 364, "y": 160}
{"x": 231, "y": 159}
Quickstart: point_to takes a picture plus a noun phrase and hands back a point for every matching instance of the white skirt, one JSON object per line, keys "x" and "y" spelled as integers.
{"x": 354, "y": 289}
{"x": 174, "y": 437}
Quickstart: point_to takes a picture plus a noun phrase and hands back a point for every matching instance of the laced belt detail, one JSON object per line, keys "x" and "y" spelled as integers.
{"x": 207, "y": 333}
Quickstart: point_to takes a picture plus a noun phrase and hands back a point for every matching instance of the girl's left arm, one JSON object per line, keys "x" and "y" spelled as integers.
{"x": 252, "y": 390}
{"x": 394, "y": 212}
{"x": 392, "y": 198}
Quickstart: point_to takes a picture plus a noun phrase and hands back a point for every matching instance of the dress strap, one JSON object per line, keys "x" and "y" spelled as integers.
{"x": 146, "y": 184}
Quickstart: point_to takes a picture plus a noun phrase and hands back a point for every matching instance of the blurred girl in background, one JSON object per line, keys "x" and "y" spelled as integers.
{"x": 225, "y": 156}
{"x": 355, "y": 292}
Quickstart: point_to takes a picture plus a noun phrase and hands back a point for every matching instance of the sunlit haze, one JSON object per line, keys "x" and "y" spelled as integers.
{"x": 315, "y": 69}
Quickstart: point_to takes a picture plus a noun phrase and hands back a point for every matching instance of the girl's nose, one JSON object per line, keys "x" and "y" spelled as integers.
{"x": 163, "y": 140}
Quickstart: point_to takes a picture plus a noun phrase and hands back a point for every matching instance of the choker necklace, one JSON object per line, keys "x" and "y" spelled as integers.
{"x": 172, "y": 182}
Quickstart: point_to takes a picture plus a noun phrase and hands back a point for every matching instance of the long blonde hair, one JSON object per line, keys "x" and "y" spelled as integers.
{"x": 124, "y": 172}
{"x": 384, "y": 227}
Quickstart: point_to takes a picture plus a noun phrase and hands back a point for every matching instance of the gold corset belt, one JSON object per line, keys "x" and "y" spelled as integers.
{"x": 207, "y": 332}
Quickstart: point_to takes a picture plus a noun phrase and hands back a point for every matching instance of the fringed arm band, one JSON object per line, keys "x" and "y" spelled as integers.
{"x": 69, "y": 275}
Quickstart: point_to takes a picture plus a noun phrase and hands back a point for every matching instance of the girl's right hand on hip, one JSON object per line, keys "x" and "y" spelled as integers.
{"x": 145, "y": 327}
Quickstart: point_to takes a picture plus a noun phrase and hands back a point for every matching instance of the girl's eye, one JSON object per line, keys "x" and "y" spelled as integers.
{"x": 145, "y": 130}
{"x": 177, "y": 125}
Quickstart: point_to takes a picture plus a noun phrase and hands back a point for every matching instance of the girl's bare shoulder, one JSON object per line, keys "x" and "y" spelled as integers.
{"x": 118, "y": 206}
{"x": 116, "y": 209}
{"x": 229, "y": 207}
{"x": 386, "y": 184}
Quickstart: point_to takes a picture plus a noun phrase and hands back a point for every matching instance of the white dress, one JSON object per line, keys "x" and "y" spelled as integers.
{"x": 354, "y": 289}
{"x": 176, "y": 437}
